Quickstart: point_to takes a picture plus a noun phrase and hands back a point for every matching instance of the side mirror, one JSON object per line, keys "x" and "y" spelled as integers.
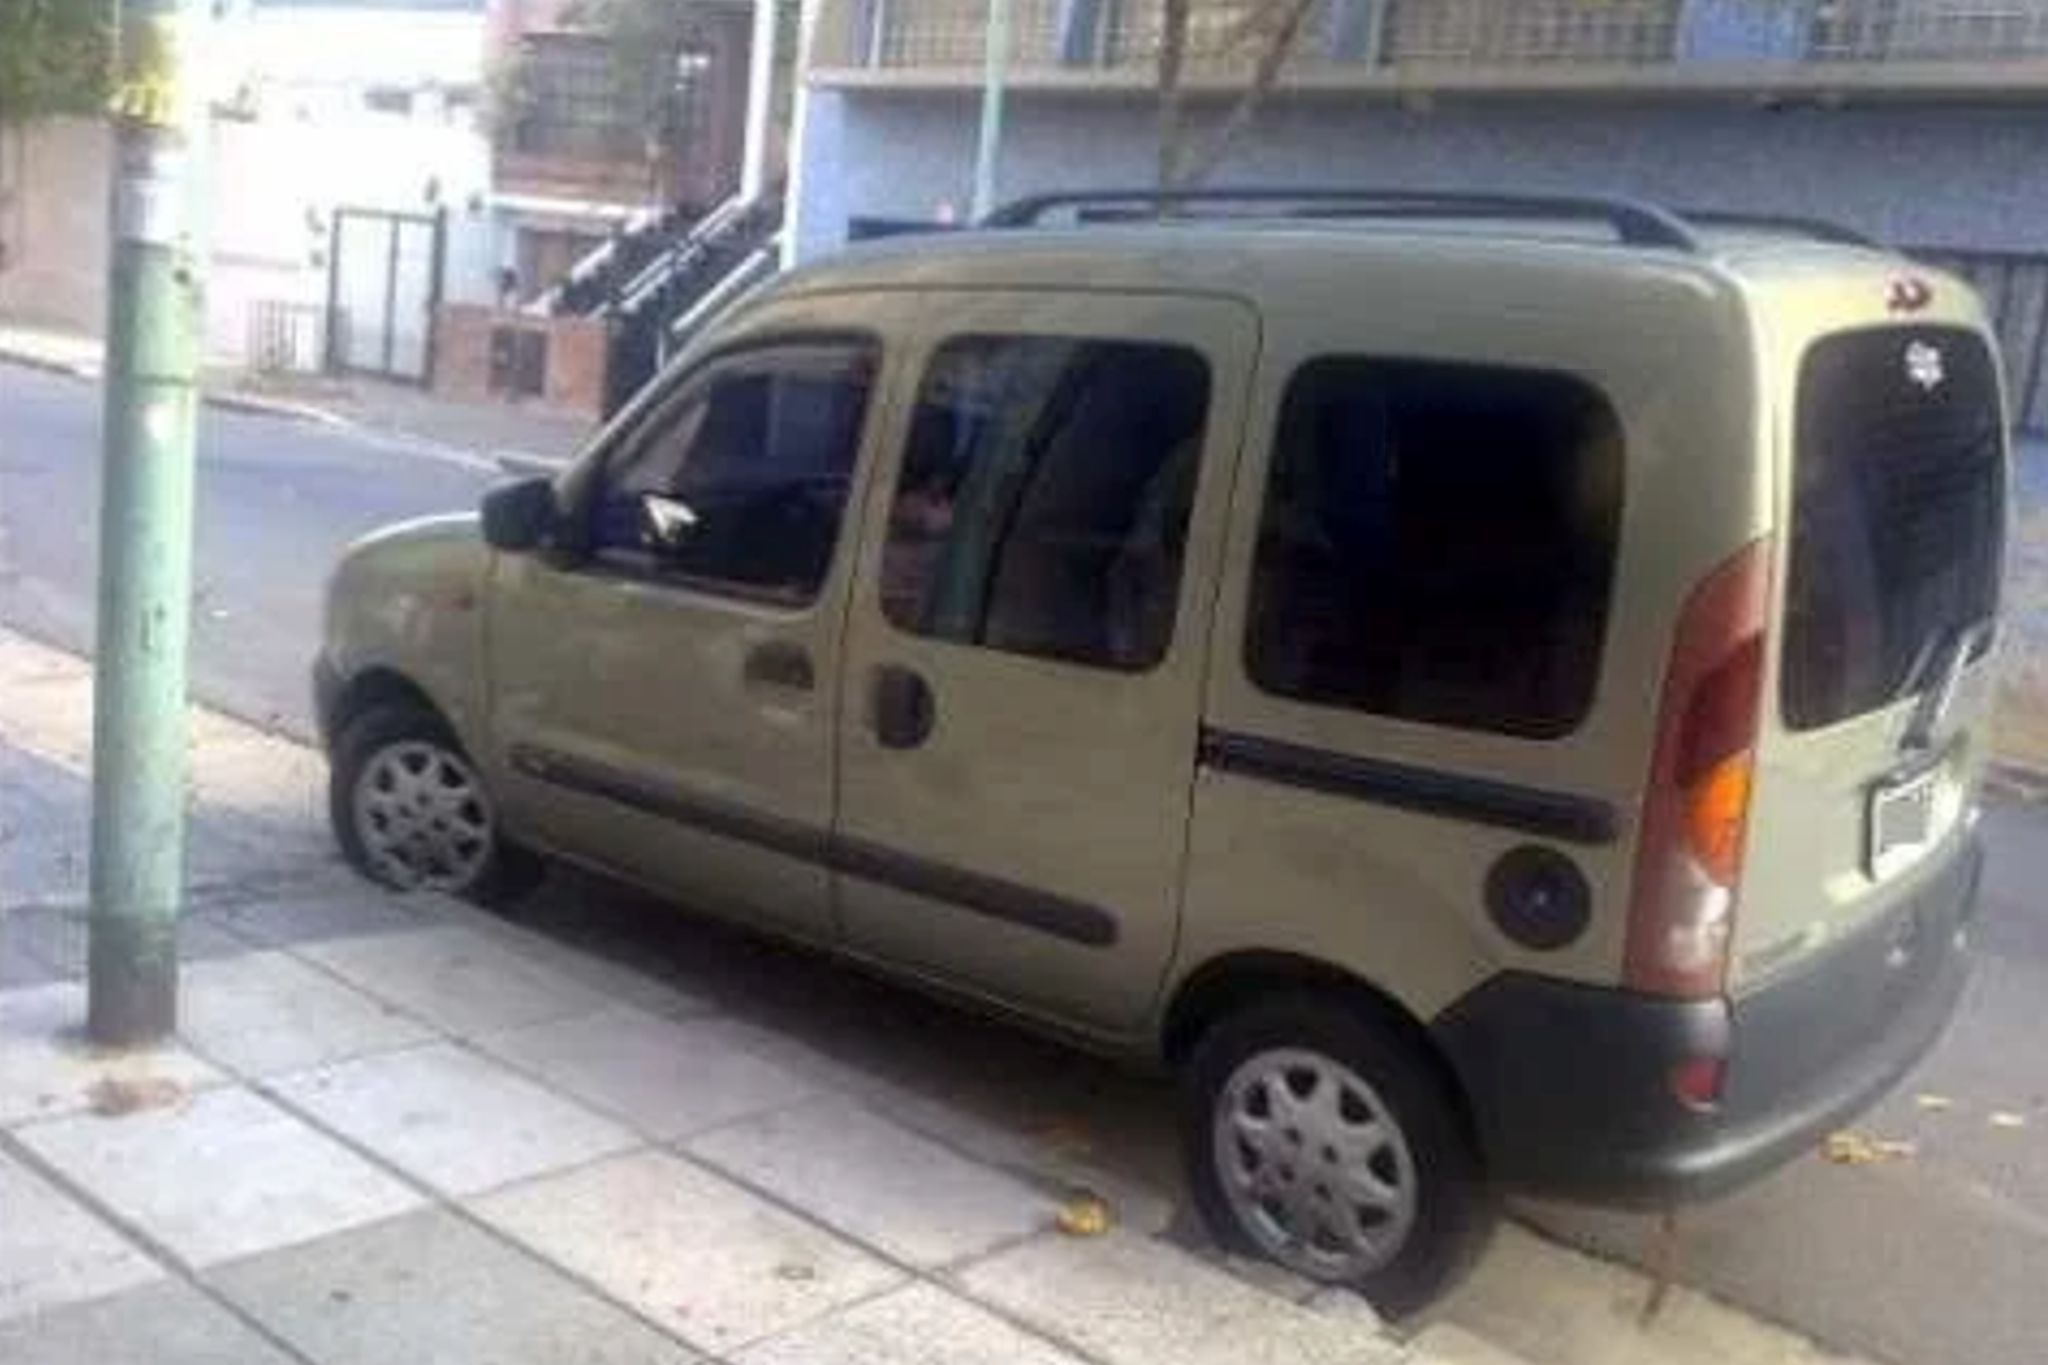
{"x": 518, "y": 516}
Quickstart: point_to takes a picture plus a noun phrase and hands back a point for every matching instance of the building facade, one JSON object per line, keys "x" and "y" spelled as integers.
{"x": 1920, "y": 121}
{"x": 571, "y": 163}
{"x": 321, "y": 109}
{"x": 1923, "y": 123}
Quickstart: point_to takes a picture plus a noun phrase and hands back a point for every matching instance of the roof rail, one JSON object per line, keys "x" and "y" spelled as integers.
{"x": 1819, "y": 229}
{"x": 1635, "y": 224}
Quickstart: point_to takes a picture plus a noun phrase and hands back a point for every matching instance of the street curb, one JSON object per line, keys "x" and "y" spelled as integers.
{"x": 2017, "y": 782}
{"x": 230, "y": 400}
{"x": 32, "y": 361}
{"x": 227, "y": 400}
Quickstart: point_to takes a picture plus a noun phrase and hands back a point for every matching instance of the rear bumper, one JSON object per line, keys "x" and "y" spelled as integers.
{"x": 1570, "y": 1084}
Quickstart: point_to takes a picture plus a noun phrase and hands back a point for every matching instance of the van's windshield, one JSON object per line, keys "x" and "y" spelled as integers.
{"x": 1897, "y": 516}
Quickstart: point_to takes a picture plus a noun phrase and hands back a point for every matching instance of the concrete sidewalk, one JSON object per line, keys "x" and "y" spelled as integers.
{"x": 396, "y": 1128}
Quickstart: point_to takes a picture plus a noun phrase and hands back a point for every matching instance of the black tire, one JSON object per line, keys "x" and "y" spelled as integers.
{"x": 1454, "y": 1210}
{"x": 505, "y": 872}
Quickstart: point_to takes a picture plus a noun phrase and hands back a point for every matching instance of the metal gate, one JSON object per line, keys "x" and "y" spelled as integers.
{"x": 383, "y": 287}
{"x": 2014, "y": 286}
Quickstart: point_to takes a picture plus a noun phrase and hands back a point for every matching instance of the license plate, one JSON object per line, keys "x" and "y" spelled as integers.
{"x": 1901, "y": 820}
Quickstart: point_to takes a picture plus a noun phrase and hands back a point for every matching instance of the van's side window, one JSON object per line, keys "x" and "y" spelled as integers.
{"x": 1043, "y": 503}
{"x": 742, "y": 482}
{"x": 1437, "y": 544}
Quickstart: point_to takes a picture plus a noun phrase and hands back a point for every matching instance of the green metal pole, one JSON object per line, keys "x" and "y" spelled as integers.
{"x": 995, "y": 65}
{"x": 153, "y": 322}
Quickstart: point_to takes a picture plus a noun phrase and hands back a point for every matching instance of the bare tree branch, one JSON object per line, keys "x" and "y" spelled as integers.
{"x": 1280, "y": 23}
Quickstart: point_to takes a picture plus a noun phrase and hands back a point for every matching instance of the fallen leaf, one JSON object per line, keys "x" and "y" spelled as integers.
{"x": 796, "y": 1270}
{"x": 1933, "y": 1104}
{"x": 1851, "y": 1148}
{"x": 112, "y": 1096}
{"x": 2005, "y": 1118}
{"x": 1084, "y": 1215}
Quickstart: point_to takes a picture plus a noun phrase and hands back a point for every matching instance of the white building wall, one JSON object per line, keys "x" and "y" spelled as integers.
{"x": 301, "y": 141}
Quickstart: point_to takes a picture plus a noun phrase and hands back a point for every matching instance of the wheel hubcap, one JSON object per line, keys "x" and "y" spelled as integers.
{"x": 421, "y": 814}
{"x": 1313, "y": 1164}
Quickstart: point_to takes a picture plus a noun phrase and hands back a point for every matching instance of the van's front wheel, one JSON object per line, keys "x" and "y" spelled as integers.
{"x": 410, "y": 810}
{"x": 1316, "y": 1137}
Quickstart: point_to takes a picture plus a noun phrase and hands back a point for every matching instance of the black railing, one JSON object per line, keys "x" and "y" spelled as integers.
{"x": 670, "y": 283}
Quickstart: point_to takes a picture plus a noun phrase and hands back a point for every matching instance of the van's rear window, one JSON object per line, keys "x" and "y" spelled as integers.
{"x": 1897, "y": 515}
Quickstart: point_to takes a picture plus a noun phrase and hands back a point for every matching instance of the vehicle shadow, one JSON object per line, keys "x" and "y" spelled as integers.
{"x": 1076, "y": 1111}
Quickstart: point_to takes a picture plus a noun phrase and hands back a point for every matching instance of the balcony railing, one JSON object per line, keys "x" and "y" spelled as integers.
{"x": 1929, "y": 30}
{"x": 1424, "y": 39}
{"x": 1493, "y": 33}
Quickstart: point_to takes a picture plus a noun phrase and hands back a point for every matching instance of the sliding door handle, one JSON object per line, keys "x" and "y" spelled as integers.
{"x": 781, "y": 663}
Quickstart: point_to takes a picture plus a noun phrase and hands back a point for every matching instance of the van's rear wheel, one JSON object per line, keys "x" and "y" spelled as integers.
{"x": 1317, "y": 1138}
{"x": 410, "y": 810}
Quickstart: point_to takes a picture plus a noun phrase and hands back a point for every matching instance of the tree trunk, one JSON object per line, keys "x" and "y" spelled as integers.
{"x": 1280, "y": 42}
{"x": 1173, "y": 51}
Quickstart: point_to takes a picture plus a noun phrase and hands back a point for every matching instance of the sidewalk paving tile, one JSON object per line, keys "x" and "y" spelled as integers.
{"x": 457, "y": 979}
{"x": 18, "y": 967}
{"x": 54, "y": 1251}
{"x": 1128, "y": 1300}
{"x": 793, "y": 1053}
{"x": 452, "y": 1119}
{"x": 431, "y": 1287}
{"x": 268, "y": 1013}
{"x": 1534, "y": 1298}
{"x": 162, "y": 1324}
{"x": 716, "y": 1264}
{"x": 917, "y": 1325}
{"x": 19, "y": 964}
{"x": 618, "y": 983}
{"x": 61, "y": 937}
{"x": 225, "y": 1174}
{"x": 1446, "y": 1343}
{"x": 666, "y": 1077}
{"x": 44, "y": 808}
{"x": 23, "y": 661}
{"x": 347, "y": 912}
{"x": 47, "y": 1068}
{"x": 877, "y": 1182}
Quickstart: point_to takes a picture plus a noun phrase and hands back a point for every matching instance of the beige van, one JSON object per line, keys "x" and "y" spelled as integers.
{"x": 1490, "y": 690}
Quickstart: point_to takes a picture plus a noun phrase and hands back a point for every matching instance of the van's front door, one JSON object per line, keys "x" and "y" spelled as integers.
{"x": 1025, "y": 644}
{"x": 663, "y": 690}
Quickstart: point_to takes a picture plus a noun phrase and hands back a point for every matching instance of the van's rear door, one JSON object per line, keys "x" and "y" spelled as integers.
{"x": 1893, "y": 516}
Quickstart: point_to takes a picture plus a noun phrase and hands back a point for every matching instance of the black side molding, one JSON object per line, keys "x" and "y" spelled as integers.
{"x": 1072, "y": 920}
{"x": 1430, "y": 791}
{"x": 792, "y": 837}
{"x": 1075, "y": 921}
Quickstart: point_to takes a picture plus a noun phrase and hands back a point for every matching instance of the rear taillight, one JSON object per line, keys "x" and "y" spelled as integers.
{"x": 1696, "y": 807}
{"x": 1696, "y": 1082}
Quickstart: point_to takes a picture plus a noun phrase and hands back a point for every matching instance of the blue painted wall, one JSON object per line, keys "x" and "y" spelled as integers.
{"x": 1919, "y": 174}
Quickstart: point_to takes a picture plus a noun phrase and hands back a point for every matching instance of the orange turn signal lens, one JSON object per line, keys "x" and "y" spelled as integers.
{"x": 1716, "y": 814}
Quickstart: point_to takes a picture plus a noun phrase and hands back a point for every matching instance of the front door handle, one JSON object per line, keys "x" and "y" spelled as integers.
{"x": 902, "y": 708}
{"x": 781, "y": 663}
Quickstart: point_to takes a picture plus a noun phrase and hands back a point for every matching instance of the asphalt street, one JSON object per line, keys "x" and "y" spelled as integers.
{"x": 277, "y": 502}
{"x": 1936, "y": 1257}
